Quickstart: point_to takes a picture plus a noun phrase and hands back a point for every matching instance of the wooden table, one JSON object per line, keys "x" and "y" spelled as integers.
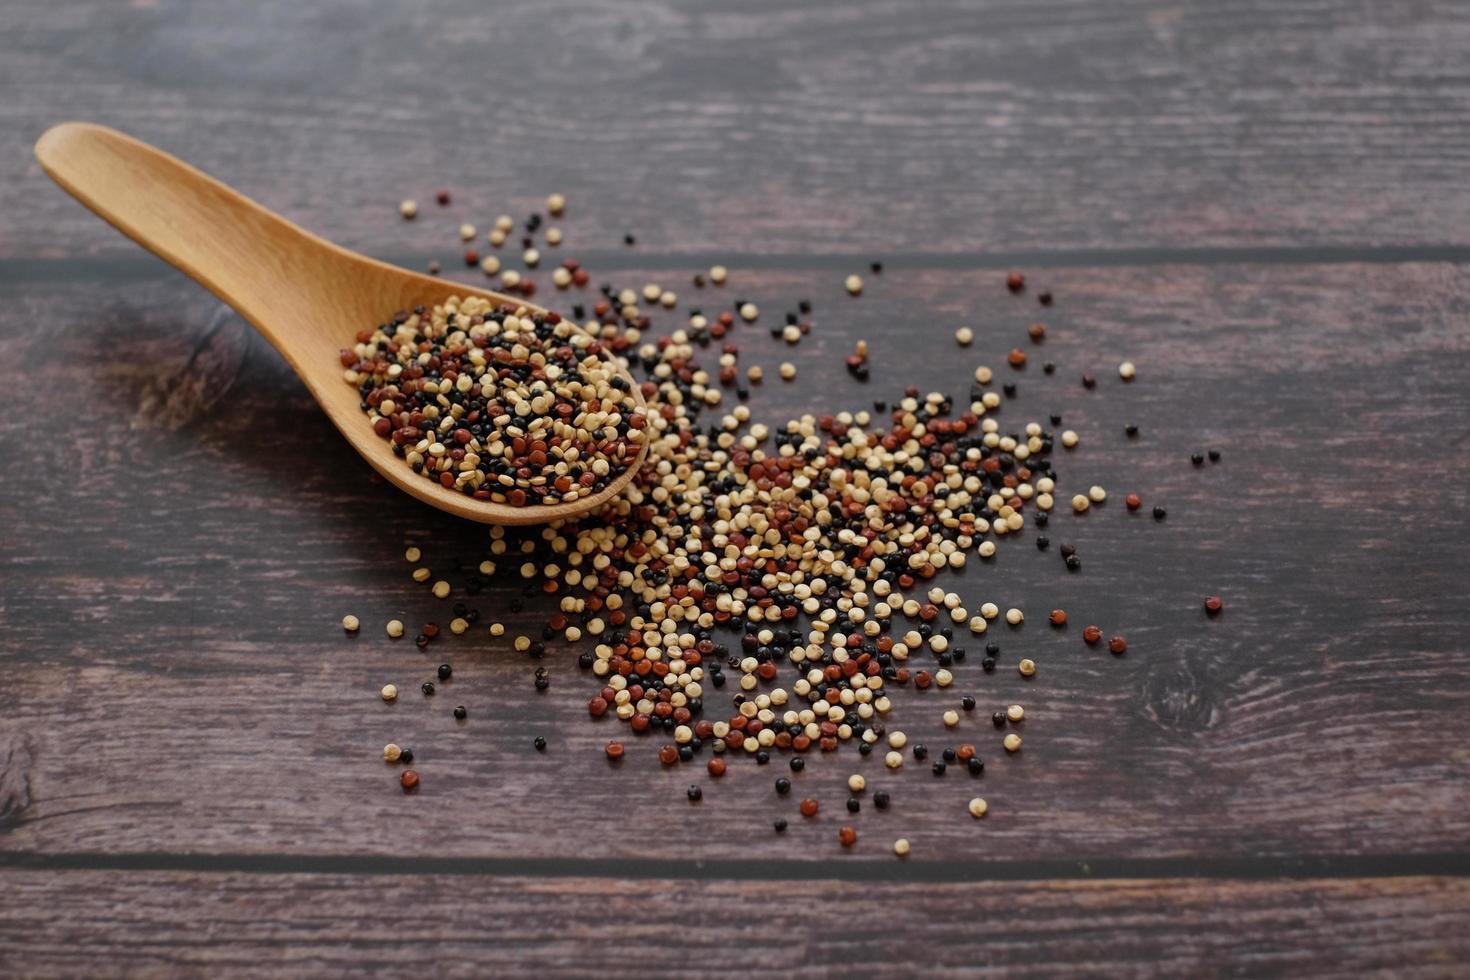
{"x": 1260, "y": 202}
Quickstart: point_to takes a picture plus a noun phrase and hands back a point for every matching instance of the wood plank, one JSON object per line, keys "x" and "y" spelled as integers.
{"x": 177, "y": 680}
{"x": 151, "y": 924}
{"x": 850, "y": 127}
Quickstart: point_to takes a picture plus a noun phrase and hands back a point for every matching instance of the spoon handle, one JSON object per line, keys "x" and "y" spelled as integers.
{"x": 254, "y": 260}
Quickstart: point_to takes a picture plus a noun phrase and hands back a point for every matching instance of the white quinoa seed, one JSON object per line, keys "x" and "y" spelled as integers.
{"x": 856, "y": 783}
{"x": 854, "y": 284}
{"x": 531, "y": 257}
{"x": 441, "y": 589}
{"x": 1080, "y": 503}
{"x": 412, "y": 554}
{"x": 1012, "y": 742}
{"x": 350, "y": 623}
{"x": 490, "y": 265}
{"x": 788, "y": 371}
{"x": 1015, "y": 616}
{"x": 1027, "y": 667}
{"x": 1015, "y": 712}
{"x": 963, "y": 336}
{"x": 556, "y": 204}
{"x": 893, "y": 760}
{"x": 466, "y": 232}
{"x": 749, "y": 312}
{"x": 553, "y": 237}
{"x": 1126, "y": 370}
{"x": 458, "y": 625}
{"x": 389, "y": 692}
{"x": 951, "y": 718}
{"x": 717, "y": 274}
{"x": 1097, "y": 494}
{"x": 395, "y": 628}
{"x": 408, "y": 208}
{"x": 978, "y": 808}
{"x": 391, "y": 752}
{"x": 901, "y": 847}
{"x": 1070, "y": 439}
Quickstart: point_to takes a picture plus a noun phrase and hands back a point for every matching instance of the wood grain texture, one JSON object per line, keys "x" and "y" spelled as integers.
{"x": 1296, "y": 723}
{"x": 1258, "y": 202}
{"x": 844, "y": 126}
{"x": 156, "y": 924}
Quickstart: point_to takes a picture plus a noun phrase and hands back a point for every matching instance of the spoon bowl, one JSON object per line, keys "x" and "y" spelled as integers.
{"x": 305, "y": 295}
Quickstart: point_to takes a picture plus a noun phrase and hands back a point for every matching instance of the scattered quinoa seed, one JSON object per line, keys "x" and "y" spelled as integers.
{"x": 978, "y": 808}
{"x": 854, "y": 284}
{"x": 408, "y": 208}
{"x": 350, "y": 623}
{"x": 389, "y": 692}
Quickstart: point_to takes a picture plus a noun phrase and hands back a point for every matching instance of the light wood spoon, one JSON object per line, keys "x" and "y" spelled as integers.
{"x": 307, "y": 296}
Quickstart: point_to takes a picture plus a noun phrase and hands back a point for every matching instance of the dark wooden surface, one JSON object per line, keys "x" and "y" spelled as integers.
{"x": 1261, "y": 204}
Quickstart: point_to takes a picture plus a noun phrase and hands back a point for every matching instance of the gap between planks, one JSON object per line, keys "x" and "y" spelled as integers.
{"x": 1291, "y": 867}
{"x": 119, "y": 267}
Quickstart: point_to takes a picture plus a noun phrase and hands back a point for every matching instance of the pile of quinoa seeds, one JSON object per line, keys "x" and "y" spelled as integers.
{"x": 499, "y": 404}
{"x": 760, "y": 592}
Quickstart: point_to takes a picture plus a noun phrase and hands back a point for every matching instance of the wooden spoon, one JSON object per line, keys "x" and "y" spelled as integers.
{"x": 307, "y": 296}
